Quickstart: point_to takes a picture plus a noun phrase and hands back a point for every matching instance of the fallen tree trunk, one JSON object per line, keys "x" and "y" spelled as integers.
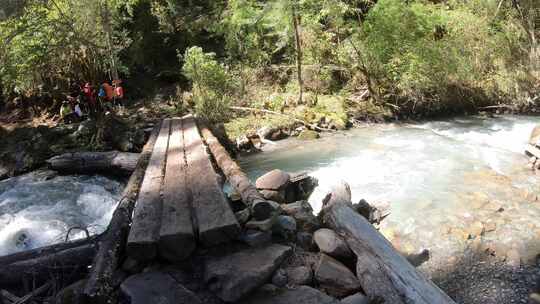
{"x": 382, "y": 271}
{"x": 120, "y": 163}
{"x": 41, "y": 267}
{"x": 261, "y": 209}
{"x": 111, "y": 248}
{"x": 42, "y": 251}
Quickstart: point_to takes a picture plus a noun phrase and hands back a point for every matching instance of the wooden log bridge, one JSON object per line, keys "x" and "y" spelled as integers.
{"x": 180, "y": 201}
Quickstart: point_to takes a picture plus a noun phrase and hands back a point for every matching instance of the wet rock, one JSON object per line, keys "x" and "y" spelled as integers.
{"x": 265, "y": 132}
{"x": 301, "y": 275}
{"x": 357, "y": 298}
{"x": 156, "y": 287}
{"x": 280, "y": 278}
{"x": 308, "y": 135}
{"x": 256, "y": 238}
{"x": 335, "y": 278}
{"x": 71, "y": 294}
{"x": 244, "y": 143}
{"x": 302, "y": 212}
{"x": 305, "y": 241}
{"x": 273, "y": 180}
{"x": 300, "y": 295}
{"x": 262, "y": 210}
{"x": 234, "y": 276}
{"x": 331, "y": 243}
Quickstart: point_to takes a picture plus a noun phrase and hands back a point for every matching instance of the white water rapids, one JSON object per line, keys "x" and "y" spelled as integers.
{"x": 36, "y": 210}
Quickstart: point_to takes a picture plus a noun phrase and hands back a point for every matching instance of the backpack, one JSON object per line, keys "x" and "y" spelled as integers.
{"x": 101, "y": 92}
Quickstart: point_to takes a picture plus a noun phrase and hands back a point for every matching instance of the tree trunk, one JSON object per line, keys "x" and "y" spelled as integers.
{"x": 121, "y": 163}
{"x": 39, "y": 268}
{"x": 111, "y": 247}
{"x": 260, "y": 208}
{"x": 296, "y": 25}
{"x": 383, "y": 273}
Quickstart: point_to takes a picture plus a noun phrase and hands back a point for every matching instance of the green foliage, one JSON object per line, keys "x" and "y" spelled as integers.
{"x": 212, "y": 84}
{"x": 432, "y": 50}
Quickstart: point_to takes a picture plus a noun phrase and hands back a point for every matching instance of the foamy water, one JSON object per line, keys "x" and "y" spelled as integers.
{"x": 36, "y": 211}
{"x": 424, "y": 171}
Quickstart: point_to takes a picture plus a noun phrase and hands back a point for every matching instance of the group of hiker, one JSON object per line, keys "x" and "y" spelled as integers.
{"x": 87, "y": 99}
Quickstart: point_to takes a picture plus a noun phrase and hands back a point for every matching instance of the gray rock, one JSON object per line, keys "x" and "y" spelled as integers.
{"x": 357, "y": 298}
{"x": 264, "y": 225}
{"x": 301, "y": 275}
{"x": 305, "y": 240}
{"x": 301, "y": 187}
{"x": 331, "y": 243}
{"x": 156, "y": 287}
{"x": 234, "y": 276}
{"x": 256, "y": 238}
{"x": 300, "y": 295}
{"x": 273, "y": 180}
{"x": 303, "y": 214}
{"x": 274, "y": 195}
{"x": 285, "y": 225}
{"x": 280, "y": 278}
{"x": 308, "y": 135}
{"x": 132, "y": 266}
{"x": 335, "y": 278}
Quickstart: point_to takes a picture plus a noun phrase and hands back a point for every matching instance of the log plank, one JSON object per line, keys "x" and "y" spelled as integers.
{"x": 115, "y": 162}
{"x": 215, "y": 220}
{"x": 176, "y": 236}
{"x": 144, "y": 233}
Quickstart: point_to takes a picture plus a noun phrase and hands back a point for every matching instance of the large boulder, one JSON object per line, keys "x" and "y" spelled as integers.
{"x": 300, "y": 295}
{"x": 335, "y": 278}
{"x": 156, "y": 287}
{"x": 274, "y": 180}
{"x": 233, "y": 276}
{"x": 357, "y": 298}
{"x": 331, "y": 243}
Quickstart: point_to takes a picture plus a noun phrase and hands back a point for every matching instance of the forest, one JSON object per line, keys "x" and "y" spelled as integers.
{"x": 344, "y": 59}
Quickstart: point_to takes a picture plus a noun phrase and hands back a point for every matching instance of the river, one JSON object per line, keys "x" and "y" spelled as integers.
{"x": 451, "y": 185}
{"x": 39, "y": 208}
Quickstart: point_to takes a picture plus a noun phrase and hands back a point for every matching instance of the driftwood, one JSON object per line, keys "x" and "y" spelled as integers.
{"x": 41, "y": 267}
{"x": 111, "y": 247}
{"x": 260, "y": 207}
{"x": 120, "y": 163}
{"x": 144, "y": 233}
{"x": 313, "y": 126}
{"x": 382, "y": 271}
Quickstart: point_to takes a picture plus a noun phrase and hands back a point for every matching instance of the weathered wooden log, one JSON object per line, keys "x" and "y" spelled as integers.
{"x": 144, "y": 234}
{"x": 176, "y": 236}
{"x": 42, "y": 251}
{"x": 261, "y": 209}
{"x": 41, "y": 267}
{"x": 111, "y": 248}
{"x": 120, "y": 163}
{"x": 382, "y": 271}
{"x": 215, "y": 220}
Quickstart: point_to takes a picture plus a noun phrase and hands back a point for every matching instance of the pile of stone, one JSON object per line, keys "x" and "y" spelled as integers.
{"x": 289, "y": 258}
